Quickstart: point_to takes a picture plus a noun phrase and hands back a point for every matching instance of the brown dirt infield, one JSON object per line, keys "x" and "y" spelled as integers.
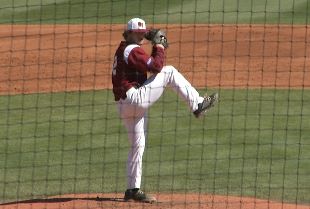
{"x": 52, "y": 58}
{"x": 56, "y": 58}
{"x": 175, "y": 201}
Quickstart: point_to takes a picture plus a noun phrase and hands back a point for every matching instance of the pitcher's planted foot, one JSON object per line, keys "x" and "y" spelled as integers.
{"x": 139, "y": 196}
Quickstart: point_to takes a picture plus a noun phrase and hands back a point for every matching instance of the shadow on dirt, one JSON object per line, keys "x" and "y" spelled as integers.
{"x": 64, "y": 199}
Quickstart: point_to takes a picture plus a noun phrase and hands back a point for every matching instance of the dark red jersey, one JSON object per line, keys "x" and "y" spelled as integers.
{"x": 131, "y": 65}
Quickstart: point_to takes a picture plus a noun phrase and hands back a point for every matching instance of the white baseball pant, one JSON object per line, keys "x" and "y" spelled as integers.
{"x": 134, "y": 108}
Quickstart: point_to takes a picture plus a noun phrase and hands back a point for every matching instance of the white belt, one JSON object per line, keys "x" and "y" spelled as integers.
{"x": 130, "y": 91}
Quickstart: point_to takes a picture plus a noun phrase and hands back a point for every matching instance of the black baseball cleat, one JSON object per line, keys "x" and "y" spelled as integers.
{"x": 139, "y": 196}
{"x": 208, "y": 102}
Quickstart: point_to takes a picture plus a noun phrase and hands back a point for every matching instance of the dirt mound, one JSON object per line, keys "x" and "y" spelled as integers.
{"x": 175, "y": 201}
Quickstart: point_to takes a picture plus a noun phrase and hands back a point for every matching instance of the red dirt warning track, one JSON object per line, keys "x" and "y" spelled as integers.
{"x": 53, "y": 58}
{"x": 56, "y": 58}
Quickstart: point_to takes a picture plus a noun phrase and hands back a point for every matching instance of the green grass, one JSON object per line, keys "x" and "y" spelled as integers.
{"x": 254, "y": 143}
{"x": 172, "y": 11}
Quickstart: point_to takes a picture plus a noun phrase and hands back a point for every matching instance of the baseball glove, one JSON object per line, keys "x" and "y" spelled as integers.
{"x": 156, "y": 36}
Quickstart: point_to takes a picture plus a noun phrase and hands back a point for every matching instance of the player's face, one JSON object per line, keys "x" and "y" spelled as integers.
{"x": 138, "y": 37}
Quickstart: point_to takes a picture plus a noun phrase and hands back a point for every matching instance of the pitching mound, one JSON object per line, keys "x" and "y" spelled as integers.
{"x": 191, "y": 201}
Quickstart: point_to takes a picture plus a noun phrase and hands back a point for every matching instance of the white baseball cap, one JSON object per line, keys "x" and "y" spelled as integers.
{"x": 136, "y": 25}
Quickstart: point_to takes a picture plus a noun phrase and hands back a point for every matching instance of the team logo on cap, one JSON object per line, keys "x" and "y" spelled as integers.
{"x": 136, "y": 24}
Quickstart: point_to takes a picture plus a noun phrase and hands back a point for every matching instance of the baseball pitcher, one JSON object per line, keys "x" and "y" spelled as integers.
{"x": 135, "y": 93}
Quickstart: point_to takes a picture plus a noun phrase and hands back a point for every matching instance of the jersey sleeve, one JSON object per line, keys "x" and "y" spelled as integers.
{"x": 156, "y": 61}
{"x": 138, "y": 59}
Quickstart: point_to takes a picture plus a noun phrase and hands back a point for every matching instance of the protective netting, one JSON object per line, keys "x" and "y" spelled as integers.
{"x": 63, "y": 144}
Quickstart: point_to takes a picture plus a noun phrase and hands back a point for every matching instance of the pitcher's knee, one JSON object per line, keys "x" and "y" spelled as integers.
{"x": 138, "y": 143}
{"x": 169, "y": 69}
{"x": 137, "y": 150}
